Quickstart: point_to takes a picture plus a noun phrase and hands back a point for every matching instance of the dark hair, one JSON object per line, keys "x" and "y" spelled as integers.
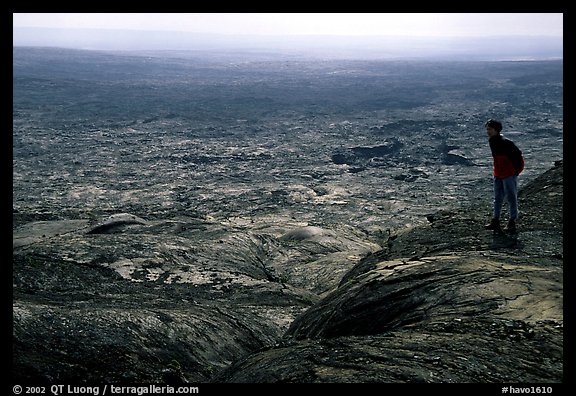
{"x": 497, "y": 125}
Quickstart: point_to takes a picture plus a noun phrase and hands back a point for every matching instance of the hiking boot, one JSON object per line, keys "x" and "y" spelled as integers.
{"x": 511, "y": 226}
{"x": 494, "y": 225}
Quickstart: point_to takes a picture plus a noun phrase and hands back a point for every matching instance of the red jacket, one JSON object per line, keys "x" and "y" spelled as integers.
{"x": 508, "y": 160}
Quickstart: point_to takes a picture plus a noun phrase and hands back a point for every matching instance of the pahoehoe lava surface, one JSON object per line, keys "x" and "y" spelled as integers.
{"x": 187, "y": 217}
{"x": 469, "y": 310}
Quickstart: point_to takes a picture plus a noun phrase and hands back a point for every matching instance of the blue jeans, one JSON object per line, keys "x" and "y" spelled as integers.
{"x": 506, "y": 188}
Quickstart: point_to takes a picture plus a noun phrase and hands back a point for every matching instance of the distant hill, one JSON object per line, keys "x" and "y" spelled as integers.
{"x": 370, "y": 47}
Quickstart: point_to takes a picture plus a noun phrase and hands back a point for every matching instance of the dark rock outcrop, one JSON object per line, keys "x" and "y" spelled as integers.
{"x": 363, "y": 154}
{"x": 115, "y": 222}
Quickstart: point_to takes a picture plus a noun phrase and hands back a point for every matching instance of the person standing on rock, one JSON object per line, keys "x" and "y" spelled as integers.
{"x": 508, "y": 164}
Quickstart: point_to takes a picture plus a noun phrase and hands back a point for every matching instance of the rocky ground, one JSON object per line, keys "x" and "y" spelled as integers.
{"x": 266, "y": 230}
{"x": 443, "y": 302}
{"x": 446, "y": 302}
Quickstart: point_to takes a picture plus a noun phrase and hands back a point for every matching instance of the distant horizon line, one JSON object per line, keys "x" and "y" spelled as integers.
{"x": 286, "y": 34}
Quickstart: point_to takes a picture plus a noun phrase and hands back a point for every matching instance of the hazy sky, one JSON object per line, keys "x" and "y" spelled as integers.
{"x": 411, "y": 24}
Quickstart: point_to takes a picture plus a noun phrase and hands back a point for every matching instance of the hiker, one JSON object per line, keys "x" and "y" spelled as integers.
{"x": 508, "y": 164}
